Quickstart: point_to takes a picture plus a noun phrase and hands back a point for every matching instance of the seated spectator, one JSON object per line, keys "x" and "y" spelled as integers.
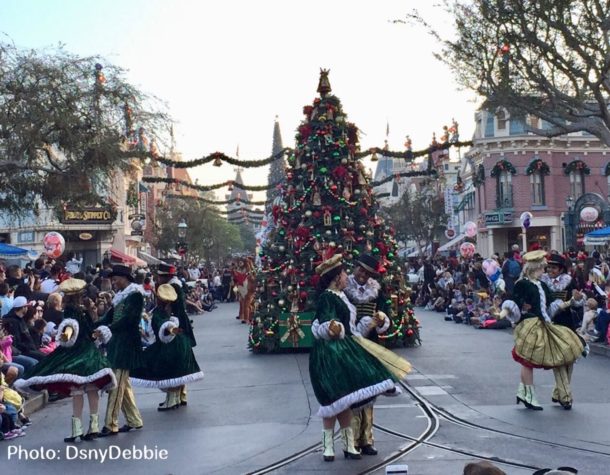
{"x": 207, "y": 300}
{"x": 6, "y": 299}
{"x": 587, "y": 329}
{"x": 51, "y": 283}
{"x": 53, "y": 311}
{"x": 48, "y": 338}
{"x": 192, "y": 304}
{"x": 16, "y": 326}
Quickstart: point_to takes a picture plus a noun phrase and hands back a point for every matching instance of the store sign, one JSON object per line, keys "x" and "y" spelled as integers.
{"x": 85, "y": 236}
{"x": 88, "y": 215}
{"x": 504, "y": 217}
{"x": 26, "y": 236}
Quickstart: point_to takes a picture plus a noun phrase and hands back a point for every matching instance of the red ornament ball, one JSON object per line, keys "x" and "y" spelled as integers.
{"x": 303, "y": 295}
{"x": 410, "y": 332}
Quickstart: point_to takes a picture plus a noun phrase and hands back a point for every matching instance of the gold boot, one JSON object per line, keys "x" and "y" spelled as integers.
{"x": 94, "y": 428}
{"x": 328, "y": 445}
{"x": 349, "y": 451}
{"x": 77, "y": 430}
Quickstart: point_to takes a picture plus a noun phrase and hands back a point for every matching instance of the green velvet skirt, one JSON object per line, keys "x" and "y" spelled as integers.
{"x": 343, "y": 374}
{"x": 167, "y": 365}
{"x": 68, "y": 368}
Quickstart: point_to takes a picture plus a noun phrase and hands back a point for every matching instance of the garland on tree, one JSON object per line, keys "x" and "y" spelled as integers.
{"x": 258, "y": 212}
{"x": 326, "y": 207}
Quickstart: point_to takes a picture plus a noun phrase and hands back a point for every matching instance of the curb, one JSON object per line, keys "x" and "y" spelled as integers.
{"x": 600, "y": 349}
{"x": 35, "y": 403}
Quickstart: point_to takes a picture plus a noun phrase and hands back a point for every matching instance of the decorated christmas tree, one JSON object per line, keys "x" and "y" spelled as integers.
{"x": 326, "y": 206}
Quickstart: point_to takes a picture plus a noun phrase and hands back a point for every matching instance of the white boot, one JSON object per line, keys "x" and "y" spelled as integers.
{"x": 530, "y": 398}
{"x": 349, "y": 451}
{"x": 328, "y": 444}
{"x": 521, "y": 393}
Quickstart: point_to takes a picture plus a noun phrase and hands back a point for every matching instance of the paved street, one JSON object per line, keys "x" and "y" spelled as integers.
{"x": 251, "y": 411}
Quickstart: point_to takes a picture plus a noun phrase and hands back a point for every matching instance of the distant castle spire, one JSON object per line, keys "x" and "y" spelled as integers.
{"x": 277, "y": 172}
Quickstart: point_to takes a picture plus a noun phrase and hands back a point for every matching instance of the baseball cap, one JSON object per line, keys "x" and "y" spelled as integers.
{"x": 20, "y": 302}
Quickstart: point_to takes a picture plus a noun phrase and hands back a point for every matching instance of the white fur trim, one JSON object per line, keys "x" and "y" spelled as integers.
{"x": 320, "y": 331}
{"x": 371, "y": 290}
{"x": 167, "y": 327}
{"x": 126, "y": 292}
{"x": 68, "y": 322}
{"x": 105, "y": 336}
{"x": 175, "y": 280}
{"x": 514, "y": 314}
{"x": 349, "y": 400}
{"x": 557, "y": 284}
{"x": 167, "y": 383}
{"x": 26, "y": 384}
{"x": 352, "y": 310}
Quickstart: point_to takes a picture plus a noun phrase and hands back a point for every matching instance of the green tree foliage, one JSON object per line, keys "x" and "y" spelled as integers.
{"x": 209, "y": 237}
{"x": 66, "y": 123}
{"x": 547, "y": 58}
{"x": 419, "y": 217}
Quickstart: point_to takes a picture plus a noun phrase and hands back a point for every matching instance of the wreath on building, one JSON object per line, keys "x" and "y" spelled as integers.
{"x": 607, "y": 169}
{"x": 577, "y": 165}
{"x": 503, "y": 166}
{"x": 537, "y": 166}
{"x": 479, "y": 176}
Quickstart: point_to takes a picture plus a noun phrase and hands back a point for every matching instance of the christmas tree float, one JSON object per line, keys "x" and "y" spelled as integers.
{"x": 326, "y": 207}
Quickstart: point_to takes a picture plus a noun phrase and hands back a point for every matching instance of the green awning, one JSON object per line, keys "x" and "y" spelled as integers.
{"x": 465, "y": 200}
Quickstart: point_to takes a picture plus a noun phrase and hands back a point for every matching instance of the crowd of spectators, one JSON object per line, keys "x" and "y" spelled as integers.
{"x": 31, "y": 311}
{"x": 460, "y": 289}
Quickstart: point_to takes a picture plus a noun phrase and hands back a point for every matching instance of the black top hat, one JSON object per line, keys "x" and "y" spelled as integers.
{"x": 166, "y": 269}
{"x": 369, "y": 264}
{"x": 557, "y": 260}
{"x": 120, "y": 270}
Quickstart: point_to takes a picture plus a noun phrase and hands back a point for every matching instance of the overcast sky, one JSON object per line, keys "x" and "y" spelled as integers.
{"x": 227, "y": 68}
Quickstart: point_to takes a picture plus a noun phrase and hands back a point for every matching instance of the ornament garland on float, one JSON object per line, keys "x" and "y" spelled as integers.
{"x": 326, "y": 206}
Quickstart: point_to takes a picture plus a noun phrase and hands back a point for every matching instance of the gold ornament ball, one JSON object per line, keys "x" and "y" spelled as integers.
{"x": 281, "y": 302}
{"x": 308, "y": 213}
{"x": 329, "y": 232}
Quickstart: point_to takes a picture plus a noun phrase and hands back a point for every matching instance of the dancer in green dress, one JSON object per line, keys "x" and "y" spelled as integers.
{"x": 76, "y": 366}
{"x": 344, "y": 374}
{"x": 169, "y": 363}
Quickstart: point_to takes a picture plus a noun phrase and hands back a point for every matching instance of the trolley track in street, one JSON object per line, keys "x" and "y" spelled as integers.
{"x": 434, "y": 415}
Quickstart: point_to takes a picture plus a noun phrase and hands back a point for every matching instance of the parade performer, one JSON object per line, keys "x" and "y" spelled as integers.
{"x": 563, "y": 289}
{"x": 169, "y": 363}
{"x": 240, "y": 277}
{"x": 124, "y": 349}
{"x": 364, "y": 292}
{"x": 76, "y": 366}
{"x": 538, "y": 342}
{"x": 250, "y": 289}
{"x": 343, "y": 370}
{"x": 166, "y": 274}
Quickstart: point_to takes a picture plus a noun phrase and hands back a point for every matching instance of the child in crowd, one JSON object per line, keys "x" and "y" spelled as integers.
{"x": 587, "y": 329}
{"x": 481, "y": 310}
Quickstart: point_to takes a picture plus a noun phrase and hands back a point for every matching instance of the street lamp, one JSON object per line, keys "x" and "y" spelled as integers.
{"x": 569, "y": 222}
{"x": 182, "y": 228}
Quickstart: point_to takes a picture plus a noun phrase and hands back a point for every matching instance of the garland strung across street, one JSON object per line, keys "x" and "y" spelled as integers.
{"x": 229, "y": 183}
{"x": 218, "y": 157}
{"x": 218, "y": 202}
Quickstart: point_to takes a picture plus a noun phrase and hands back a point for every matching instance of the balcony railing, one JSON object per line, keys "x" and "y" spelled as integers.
{"x": 504, "y": 202}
